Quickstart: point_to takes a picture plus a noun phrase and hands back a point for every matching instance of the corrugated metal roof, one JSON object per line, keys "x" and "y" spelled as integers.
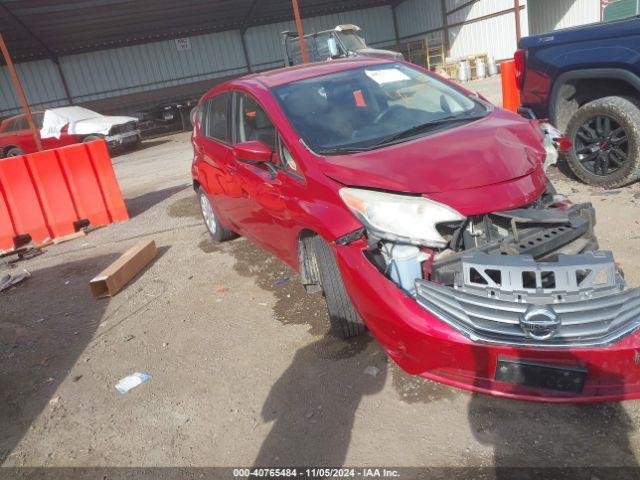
{"x": 41, "y": 28}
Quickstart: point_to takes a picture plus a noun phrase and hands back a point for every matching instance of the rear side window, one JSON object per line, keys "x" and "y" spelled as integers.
{"x": 38, "y": 119}
{"x": 217, "y": 115}
{"x": 17, "y": 124}
{"x": 21, "y": 124}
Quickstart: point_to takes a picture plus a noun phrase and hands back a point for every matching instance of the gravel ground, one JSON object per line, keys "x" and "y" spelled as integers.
{"x": 243, "y": 370}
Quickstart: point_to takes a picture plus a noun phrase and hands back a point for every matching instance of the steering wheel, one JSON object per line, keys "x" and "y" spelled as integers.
{"x": 387, "y": 112}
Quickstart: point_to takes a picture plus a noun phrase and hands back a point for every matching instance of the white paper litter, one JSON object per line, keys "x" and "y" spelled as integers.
{"x": 387, "y": 75}
{"x": 132, "y": 381}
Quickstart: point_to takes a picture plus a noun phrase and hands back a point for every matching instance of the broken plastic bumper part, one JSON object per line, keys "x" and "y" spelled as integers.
{"x": 520, "y": 335}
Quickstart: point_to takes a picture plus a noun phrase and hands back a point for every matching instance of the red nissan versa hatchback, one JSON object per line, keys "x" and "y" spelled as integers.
{"x": 422, "y": 213}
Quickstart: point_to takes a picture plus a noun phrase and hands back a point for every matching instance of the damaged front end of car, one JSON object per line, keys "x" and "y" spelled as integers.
{"x": 530, "y": 277}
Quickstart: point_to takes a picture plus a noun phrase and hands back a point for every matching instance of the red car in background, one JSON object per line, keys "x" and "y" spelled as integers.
{"x": 16, "y": 138}
{"x": 422, "y": 213}
{"x": 64, "y": 126}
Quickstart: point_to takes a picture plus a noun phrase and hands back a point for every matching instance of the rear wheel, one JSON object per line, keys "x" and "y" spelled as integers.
{"x": 14, "y": 152}
{"x": 606, "y": 142}
{"x": 218, "y": 231}
{"x": 345, "y": 321}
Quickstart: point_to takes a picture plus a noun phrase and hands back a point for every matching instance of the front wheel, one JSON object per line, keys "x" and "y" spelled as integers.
{"x": 345, "y": 321}
{"x": 606, "y": 142}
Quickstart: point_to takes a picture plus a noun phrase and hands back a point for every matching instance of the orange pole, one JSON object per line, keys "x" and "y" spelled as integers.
{"x": 510, "y": 93}
{"x": 303, "y": 44}
{"x": 21, "y": 95}
{"x": 516, "y": 9}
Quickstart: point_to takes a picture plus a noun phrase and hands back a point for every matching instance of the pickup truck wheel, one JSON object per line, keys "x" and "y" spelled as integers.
{"x": 345, "y": 321}
{"x": 14, "y": 152}
{"x": 606, "y": 142}
{"x": 217, "y": 231}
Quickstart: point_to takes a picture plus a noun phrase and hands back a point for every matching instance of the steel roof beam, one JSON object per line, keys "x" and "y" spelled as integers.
{"x": 13, "y": 20}
{"x": 255, "y": 5}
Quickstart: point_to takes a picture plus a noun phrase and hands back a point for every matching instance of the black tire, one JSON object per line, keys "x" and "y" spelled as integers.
{"x": 345, "y": 321}
{"x": 91, "y": 138}
{"x": 132, "y": 146}
{"x": 217, "y": 231}
{"x": 14, "y": 152}
{"x": 605, "y": 158}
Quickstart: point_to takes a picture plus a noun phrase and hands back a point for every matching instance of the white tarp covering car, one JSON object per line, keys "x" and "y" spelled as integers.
{"x": 116, "y": 130}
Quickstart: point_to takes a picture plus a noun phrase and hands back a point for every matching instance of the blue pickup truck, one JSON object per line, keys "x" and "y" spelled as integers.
{"x": 586, "y": 81}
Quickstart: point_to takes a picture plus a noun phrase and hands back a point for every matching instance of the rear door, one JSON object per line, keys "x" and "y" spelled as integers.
{"x": 20, "y": 135}
{"x": 216, "y": 169}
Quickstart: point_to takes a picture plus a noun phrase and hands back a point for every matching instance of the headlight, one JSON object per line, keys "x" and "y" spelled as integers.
{"x": 400, "y": 217}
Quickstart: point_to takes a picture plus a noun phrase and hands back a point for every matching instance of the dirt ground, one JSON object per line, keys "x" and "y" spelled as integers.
{"x": 243, "y": 370}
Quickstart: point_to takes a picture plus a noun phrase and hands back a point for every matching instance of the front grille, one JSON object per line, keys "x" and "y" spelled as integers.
{"x": 577, "y": 300}
{"x": 124, "y": 128}
{"x": 597, "y": 321}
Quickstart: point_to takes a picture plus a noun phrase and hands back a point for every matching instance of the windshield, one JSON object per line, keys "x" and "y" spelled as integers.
{"x": 364, "y": 107}
{"x": 352, "y": 41}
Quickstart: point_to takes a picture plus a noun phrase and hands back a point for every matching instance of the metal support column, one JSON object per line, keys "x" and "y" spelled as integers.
{"x": 20, "y": 92}
{"x": 303, "y": 44}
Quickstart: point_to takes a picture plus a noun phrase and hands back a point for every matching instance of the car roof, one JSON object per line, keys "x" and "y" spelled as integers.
{"x": 281, "y": 76}
{"x": 20, "y": 115}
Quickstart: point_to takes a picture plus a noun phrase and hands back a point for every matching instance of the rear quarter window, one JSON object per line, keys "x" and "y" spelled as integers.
{"x": 217, "y": 118}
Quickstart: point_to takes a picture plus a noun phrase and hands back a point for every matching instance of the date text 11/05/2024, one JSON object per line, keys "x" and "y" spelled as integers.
{"x": 316, "y": 472}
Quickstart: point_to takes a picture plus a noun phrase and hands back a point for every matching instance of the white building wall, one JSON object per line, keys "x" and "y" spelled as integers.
{"x": 494, "y": 35}
{"x": 415, "y": 17}
{"x": 548, "y": 15}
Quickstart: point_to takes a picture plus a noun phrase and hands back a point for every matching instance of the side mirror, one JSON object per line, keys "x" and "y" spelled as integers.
{"x": 253, "y": 151}
{"x": 333, "y": 47}
{"x": 526, "y": 113}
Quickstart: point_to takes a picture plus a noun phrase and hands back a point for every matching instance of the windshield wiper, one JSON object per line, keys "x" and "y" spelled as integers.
{"x": 345, "y": 150}
{"x": 425, "y": 127}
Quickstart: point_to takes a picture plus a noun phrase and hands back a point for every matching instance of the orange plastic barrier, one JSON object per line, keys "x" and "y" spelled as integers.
{"x": 510, "y": 93}
{"x": 52, "y": 193}
{"x": 108, "y": 182}
{"x": 22, "y": 200}
{"x": 59, "y": 212}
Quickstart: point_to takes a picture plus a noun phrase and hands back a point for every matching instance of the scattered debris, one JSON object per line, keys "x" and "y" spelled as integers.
{"x": 25, "y": 254}
{"x": 66, "y": 238}
{"x": 132, "y": 381}
{"x": 77, "y": 378}
{"x": 309, "y": 414}
{"x": 129, "y": 338}
{"x": 222, "y": 289}
{"x": 9, "y": 280}
{"x": 282, "y": 281}
{"x": 112, "y": 279}
{"x": 371, "y": 370}
{"x": 54, "y": 401}
{"x": 165, "y": 345}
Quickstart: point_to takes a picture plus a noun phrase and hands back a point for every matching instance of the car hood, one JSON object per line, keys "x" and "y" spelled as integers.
{"x": 79, "y": 121}
{"x": 100, "y": 125}
{"x": 496, "y": 149}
